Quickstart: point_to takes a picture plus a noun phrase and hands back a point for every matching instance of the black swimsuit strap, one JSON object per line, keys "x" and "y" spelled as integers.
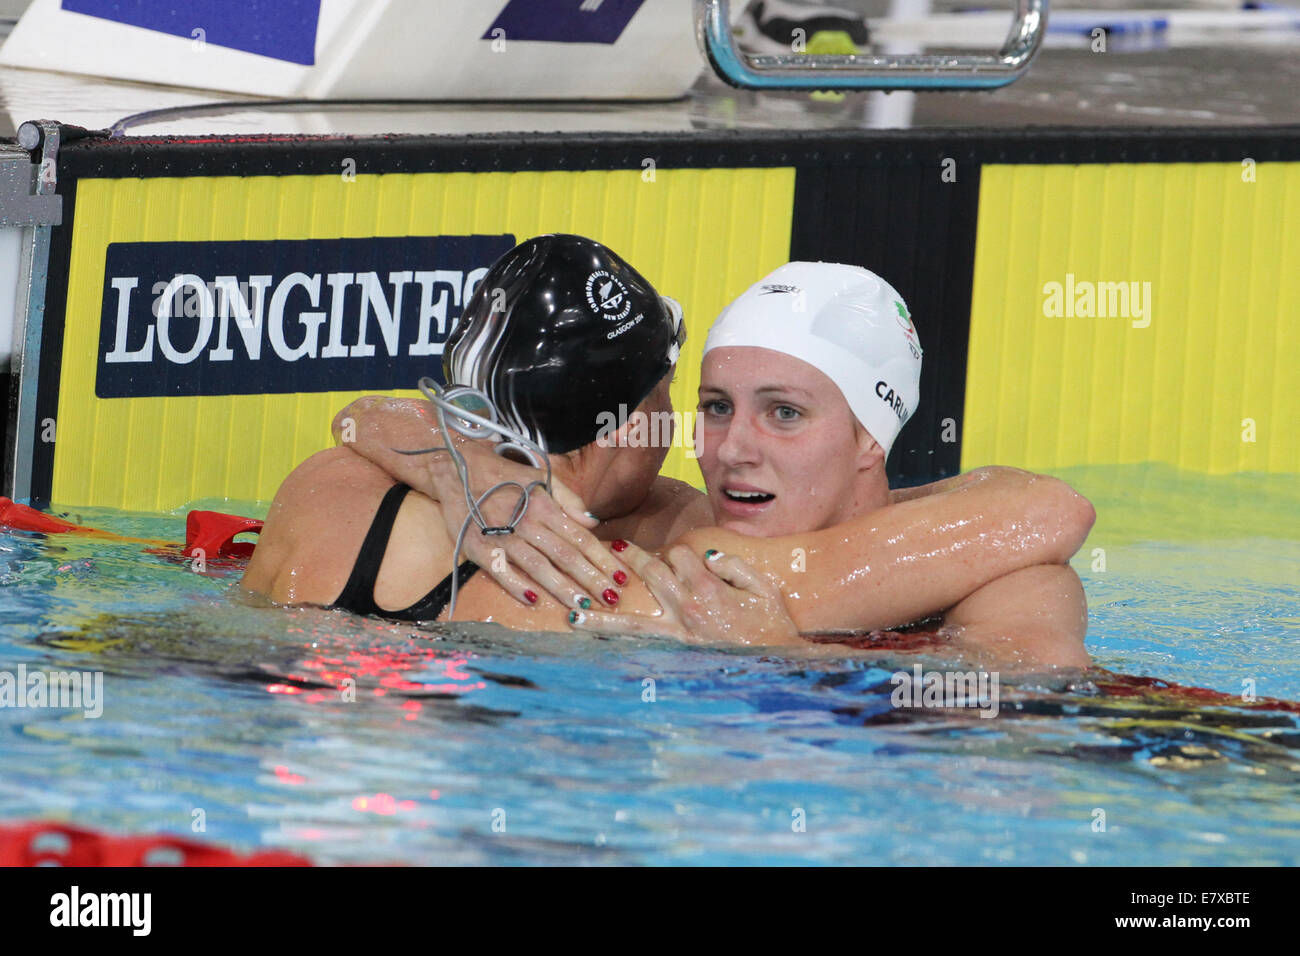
{"x": 359, "y": 593}
{"x": 429, "y": 607}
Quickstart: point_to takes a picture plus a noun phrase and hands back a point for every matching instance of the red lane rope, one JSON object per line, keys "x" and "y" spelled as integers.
{"x": 14, "y": 515}
{"x": 211, "y": 532}
{"x": 1155, "y": 688}
{"x": 46, "y": 843}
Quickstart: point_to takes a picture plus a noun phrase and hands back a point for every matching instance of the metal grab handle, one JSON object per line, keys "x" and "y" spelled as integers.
{"x": 898, "y": 72}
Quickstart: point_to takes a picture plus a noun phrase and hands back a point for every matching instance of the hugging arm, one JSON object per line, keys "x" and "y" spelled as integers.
{"x": 919, "y": 557}
{"x": 935, "y": 487}
{"x": 551, "y": 548}
{"x": 379, "y": 429}
{"x": 375, "y": 426}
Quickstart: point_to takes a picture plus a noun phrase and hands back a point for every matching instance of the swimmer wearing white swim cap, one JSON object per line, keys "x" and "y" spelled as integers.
{"x": 808, "y": 377}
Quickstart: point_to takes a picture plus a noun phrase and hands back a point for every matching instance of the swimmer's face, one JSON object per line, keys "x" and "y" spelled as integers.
{"x": 778, "y": 445}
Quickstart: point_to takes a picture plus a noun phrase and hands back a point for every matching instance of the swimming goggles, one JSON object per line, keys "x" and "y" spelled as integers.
{"x": 679, "y": 328}
{"x": 469, "y": 412}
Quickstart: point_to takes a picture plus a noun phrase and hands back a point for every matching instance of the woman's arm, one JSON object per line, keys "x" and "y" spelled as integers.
{"x": 1031, "y": 620}
{"x": 375, "y": 427}
{"x": 915, "y": 558}
{"x": 379, "y": 429}
{"x": 551, "y": 549}
{"x": 934, "y": 487}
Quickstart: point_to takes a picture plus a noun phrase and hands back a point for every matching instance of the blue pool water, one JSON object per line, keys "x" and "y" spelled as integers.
{"x": 477, "y": 745}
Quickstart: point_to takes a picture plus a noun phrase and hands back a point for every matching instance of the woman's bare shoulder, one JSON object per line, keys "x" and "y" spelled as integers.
{"x": 330, "y": 469}
{"x": 689, "y": 506}
{"x": 316, "y": 521}
{"x": 670, "y": 509}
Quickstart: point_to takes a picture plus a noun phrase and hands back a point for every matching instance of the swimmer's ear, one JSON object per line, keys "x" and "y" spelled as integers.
{"x": 870, "y": 453}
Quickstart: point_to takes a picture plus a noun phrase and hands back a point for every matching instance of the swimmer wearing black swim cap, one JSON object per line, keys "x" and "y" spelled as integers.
{"x": 560, "y": 330}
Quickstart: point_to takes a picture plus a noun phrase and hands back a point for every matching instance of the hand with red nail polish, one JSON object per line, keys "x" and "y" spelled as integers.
{"x": 718, "y": 601}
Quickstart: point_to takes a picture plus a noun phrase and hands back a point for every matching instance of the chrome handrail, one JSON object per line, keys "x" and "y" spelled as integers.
{"x": 896, "y": 72}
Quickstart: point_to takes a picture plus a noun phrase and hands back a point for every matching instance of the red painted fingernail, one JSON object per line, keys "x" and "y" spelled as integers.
{"x": 619, "y": 545}
{"x": 610, "y": 596}
{"x": 620, "y": 578}
{"x": 531, "y": 596}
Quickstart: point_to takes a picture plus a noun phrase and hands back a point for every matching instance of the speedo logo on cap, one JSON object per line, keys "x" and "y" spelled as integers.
{"x": 893, "y": 400}
{"x": 775, "y": 287}
{"x": 607, "y": 296}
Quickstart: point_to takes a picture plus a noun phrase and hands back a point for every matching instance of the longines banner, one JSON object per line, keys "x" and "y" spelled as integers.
{"x": 278, "y": 316}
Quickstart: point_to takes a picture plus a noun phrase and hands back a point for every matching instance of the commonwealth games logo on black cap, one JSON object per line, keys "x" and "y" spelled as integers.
{"x": 607, "y": 296}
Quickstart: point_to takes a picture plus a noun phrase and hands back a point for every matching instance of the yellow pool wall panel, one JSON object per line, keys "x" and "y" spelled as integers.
{"x": 699, "y": 235}
{"x": 1208, "y": 380}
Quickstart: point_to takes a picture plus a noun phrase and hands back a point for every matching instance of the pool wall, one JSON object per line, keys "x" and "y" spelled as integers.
{"x": 1083, "y": 296}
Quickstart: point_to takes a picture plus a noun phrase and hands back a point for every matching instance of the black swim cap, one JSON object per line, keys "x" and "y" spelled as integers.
{"x": 560, "y": 330}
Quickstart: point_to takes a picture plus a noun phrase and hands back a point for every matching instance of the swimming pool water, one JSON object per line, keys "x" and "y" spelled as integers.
{"x": 472, "y": 744}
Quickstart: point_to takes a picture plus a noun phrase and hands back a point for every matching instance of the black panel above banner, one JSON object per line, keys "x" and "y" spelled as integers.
{"x": 915, "y": 226}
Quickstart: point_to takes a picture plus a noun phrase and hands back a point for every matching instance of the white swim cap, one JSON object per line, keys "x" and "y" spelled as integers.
{"x": 845, "y": 321}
